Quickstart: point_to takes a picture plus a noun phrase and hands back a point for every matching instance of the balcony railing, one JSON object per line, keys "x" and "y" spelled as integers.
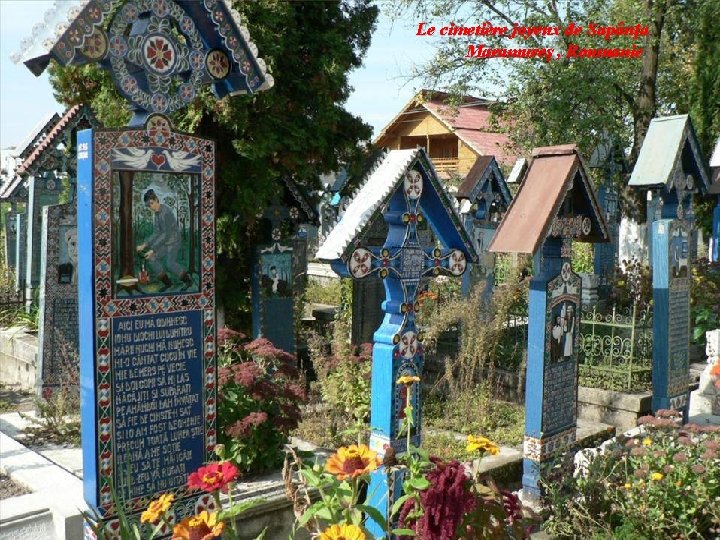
{"x": 446, "y": 165}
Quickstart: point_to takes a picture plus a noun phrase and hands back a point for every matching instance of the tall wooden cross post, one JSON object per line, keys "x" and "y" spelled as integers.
{"x": 672, "y": 168}
{"x": 555, "y": 206}
{"x": 405, "y": 188}
{"x": 279, "y": 260}
{"x": 147, "y": 317}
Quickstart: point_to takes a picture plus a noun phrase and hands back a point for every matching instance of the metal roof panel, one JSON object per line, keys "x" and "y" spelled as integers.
{"x": 660, "y": 150}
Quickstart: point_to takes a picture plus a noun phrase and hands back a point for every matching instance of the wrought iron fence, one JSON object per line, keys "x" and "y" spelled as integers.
{"x": 616, "y": 349}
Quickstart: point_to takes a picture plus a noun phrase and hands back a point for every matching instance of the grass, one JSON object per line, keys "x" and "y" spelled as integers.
{"x": 476, "y": 413}
{"x": 445, "y": 446}
{"x": 502, "y": 423}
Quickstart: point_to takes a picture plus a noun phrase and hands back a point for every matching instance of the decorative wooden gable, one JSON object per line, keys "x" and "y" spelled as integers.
{"x": 399, "y": 175}
{"x": 484, "y": 192}
{"x": 52, "y": 152}
{"x": 160, "y": 52}
{"x": 556, "y": 199}
{"x": 39, "y": 132}
{"x": 670, "y": 154}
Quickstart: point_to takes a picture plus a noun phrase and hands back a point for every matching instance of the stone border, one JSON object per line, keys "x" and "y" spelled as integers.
{"x": 43, "y": 512}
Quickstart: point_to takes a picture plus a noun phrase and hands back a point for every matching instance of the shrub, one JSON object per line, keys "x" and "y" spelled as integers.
{"x": 343, "y": 382}
{"x": 704, "y": 299}
{"x": 662, "y": 483}
{"x": 259, "y": 401}
{"x": 633, "y": 286}
{"x": 483, "y": 327}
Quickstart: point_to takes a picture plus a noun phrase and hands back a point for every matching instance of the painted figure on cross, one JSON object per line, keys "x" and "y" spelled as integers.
{"x": 163, "y": 245}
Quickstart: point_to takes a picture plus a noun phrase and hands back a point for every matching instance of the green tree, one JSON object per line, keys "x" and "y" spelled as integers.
{"x": 585, "y": 99}
{"x": 298, "y": 128}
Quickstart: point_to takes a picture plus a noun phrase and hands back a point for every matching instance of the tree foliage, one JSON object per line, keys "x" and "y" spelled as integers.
{"x": 299, "y": 128}
{"x": 584, "y": 100}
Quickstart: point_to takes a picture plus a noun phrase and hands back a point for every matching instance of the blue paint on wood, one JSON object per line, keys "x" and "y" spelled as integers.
{"x": 148, "y": 366}
{"x": 86, "y": 317}
{"x": 402, "y": 262}
{"x": 671, "y": 315}
{"x": 550, "y": 403}
{"x": 715, "y": 253}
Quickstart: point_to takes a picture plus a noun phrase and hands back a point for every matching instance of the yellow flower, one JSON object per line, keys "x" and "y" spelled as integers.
{"x": 657, "y": 476}
{"x": 342, "y": 532}
{"x": 203, "y": 526}
{"x": 482, "y": 444}
{"x": 408, "y": 380}
{"x": 647, "y": 441}
{"x": 157, "y": 508}
{"x": 628, "y": 485}
{"x": 351, "y": 461}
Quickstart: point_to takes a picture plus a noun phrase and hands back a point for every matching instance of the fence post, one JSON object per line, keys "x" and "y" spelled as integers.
{"x": 632, "y": 346}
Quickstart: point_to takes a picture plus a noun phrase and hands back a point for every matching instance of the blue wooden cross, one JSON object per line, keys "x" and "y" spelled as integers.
{"x": 402, "y": 262}
{"x": 405, "y": 188}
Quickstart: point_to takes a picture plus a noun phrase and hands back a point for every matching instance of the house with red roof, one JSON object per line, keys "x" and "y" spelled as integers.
{"x": 453, "y": 136}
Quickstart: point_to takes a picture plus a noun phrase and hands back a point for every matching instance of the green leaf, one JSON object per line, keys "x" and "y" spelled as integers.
{"x": 310, "y": 513}
{"x": 403, "y": 532}
{"x": 398, "y": 504}
{"x": 374, "y": 514}
{"x": 238, "y": 508}
{"x": 418, "y": 483}
{"x": 312, "y": 478}
{"x": 325, "y": 513}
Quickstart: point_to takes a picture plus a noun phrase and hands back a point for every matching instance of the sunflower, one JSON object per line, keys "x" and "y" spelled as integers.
{"x": 203, "y": 526}
{"x": 157, "y": 508}
{"x": 342, "y": 532}
{"x": 352, "y": 461}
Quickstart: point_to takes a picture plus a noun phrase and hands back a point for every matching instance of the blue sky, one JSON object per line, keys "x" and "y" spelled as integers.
{"x": 381, "y": 85}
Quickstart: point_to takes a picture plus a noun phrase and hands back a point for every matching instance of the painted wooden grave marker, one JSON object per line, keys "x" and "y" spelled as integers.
{"x": 714, "y": 247}
{"x": 58, "y": 357}
{"x": 609, "y": 158}
{"x": 671, "y": 167}
{"x": 281, "y": 262}
{"x": 14, "y": 190}
{"x": 484, "y": 198}
{"x": 51, "y": 161}
{"x": 10, "y": 240}
{"x": 405, "y": 186}
{"x": 146, "y": 224}
{"x": 147, "y": 350}
{"x": 671, "y": 314}
{"x": 556, "y": 205}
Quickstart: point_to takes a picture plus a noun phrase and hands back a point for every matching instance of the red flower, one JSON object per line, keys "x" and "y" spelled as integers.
{"x": 213, "y": 477}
